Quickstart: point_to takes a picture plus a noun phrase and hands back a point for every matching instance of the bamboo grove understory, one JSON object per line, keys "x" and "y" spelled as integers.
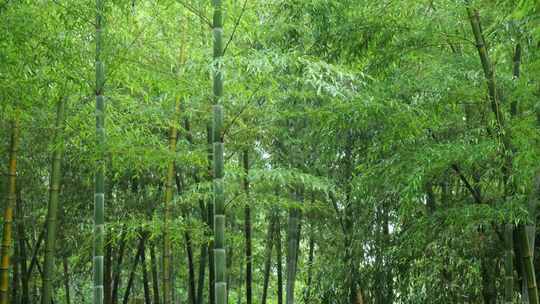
{"x": 273, "y": 152}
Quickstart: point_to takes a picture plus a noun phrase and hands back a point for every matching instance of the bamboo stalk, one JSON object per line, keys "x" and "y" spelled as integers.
{"x": 169, "y": 184}
{"x": 21, "y": 235}
{"x": 8, "y": 214}
{"x": 268, "y": 256}
{"x": 154, "y": 271}
{"x": 52, "y": 212}
{"x": 138, "y": 257}
{"x": 279, "y": 259}
{"x": 218, "y": 147}
{"x": 99, "y": 194}
{"x": 210, "y": 220}
{"x": 508, "y": 263}
{"x": 529, "y": 266}
{"x": 247, "y": 229}
{"x": 146, "y": 285}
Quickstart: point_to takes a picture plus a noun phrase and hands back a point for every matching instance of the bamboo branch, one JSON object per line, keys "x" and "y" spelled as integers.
{"x": 462, "y": 177}
{"x": 235, "y": 26}
{"x": 196, "y": 12}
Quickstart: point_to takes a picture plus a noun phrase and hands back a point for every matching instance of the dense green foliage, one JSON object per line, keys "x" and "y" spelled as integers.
{"x": 376, "y": 151}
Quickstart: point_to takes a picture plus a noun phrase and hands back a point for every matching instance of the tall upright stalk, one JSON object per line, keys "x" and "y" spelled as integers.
{"x": 154, "y": 272}
{"x": 292, "y": 252}
{"x": 210, "y": 221}
{"x": 247, "y": 229}
{"x": 22, "y": 259}
{"x": 8, "y": 214}
{"x": 508, "y": 263}
{"x": 146, "y": 285}
{"x": 192, "y": 293}
{"x": 198, "y": 296}
{"x": 268, "y": 256}
{"x": 509, "y": 190}
{"x": 279, "y": 259}
{"x": 99, "y": 193}
{"x": 169, "y": 184}
{"x": 52, "y": 211}
{"x": 107, "y": 280}
{"x": 217, "y": 139}
{"x": 117, "y": 276}
{"x": 65, "y": 264}
{"x": 504, "y": 136}
{"x": 168, "y": 291}
{"x": 202, "y": 266}
{"x": 311, "y": 257}
{"x": 15, "y": 277}
{"x": 529, "y": 265}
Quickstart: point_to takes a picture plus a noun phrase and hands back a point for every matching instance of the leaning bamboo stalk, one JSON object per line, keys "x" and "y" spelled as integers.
{"x": 52, "y": 211}
{"x": 507, "y": 149}
{"x": 138, "y": 257}
{"x": 487, "y": 67}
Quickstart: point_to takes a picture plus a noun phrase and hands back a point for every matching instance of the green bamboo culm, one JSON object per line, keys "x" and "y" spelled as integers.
{"x": 292, "y": 252}
{"x": 99, "y": 193}
{"x": 52, "y": 211}
{"x": 244, "y": 159}
{"x": 169, "y": 182}
{"x": 219, "y": 211}
{"x": 167, "y": 279}
{"x": 508, "y": 263}
{"x": 8, "y": 213}
{"x": 218, "y": 147}
{"x": 528, "y": 261}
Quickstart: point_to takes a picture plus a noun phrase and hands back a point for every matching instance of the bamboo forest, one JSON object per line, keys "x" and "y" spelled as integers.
{"x": 269, "y": 151}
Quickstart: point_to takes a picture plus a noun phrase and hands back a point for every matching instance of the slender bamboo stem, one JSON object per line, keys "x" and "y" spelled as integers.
{"x": 154, "y": 271}
{"x": 508, "y": 263}
{"x": 65, "y": 264}
{"x": 292, "y": 251}
{"x": 15, "y": 278}
{"x": 146, "y": 285}
{"x": 247, "y": 229}
{"x": 268, "y": 256}
{"x": 529, "y": 265}
{"x": 191, "y": 269}
{"x": 99, "y": 194}
{"x": 202, "y": 266}
{"x": 117, "y": 278}
{"x": 279, "y": 260}
{"x": 8, "y": 214}
{"x": 210, "y": 220}
{"x": 107, "y": 288}
{"x": 52, "y": 212}
{"x": 169, "y": 184}
{"x": 21, "y": 235}
{"x": 138, "y": 257}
